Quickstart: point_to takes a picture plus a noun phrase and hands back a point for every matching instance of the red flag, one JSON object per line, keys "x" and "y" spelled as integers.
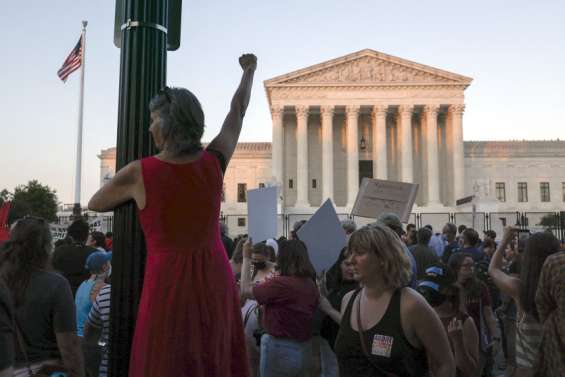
{"x": 4, "y": 211}
{"x": 72, "y": 63}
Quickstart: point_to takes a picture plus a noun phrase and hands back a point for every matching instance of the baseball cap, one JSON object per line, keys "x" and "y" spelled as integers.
{"x": 433, "y": 285}
{"x": 391, "y": 220}
{"x": 97, "y": 260}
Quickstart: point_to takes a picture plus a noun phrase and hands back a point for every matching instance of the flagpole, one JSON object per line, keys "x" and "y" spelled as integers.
{"x": 78, "y": 171}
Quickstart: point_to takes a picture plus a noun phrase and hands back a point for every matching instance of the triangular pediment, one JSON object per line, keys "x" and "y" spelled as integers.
{"x": 368, "y": 67}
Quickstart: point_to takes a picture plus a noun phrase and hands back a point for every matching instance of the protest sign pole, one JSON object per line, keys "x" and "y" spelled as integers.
{"x": 142, "y": 74}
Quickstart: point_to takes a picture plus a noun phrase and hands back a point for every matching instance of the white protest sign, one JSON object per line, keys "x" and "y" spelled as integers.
{"x": 324, "y": 237}
{"x": 58, "y": 231}
{"x": 95, "y": 224}
{"x": 376, "y": 197}
{"x": 262, "y": 212}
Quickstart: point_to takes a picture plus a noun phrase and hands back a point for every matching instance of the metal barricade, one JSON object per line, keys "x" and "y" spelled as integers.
{"x": 466, "y": 218}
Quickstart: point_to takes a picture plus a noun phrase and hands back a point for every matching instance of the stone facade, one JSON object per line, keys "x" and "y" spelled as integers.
{"x": 486, "y": 164}
{"x": 367, "y": 114}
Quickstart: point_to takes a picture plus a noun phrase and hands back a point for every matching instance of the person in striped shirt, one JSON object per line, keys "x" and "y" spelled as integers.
{"x": 539, "y": 247}
{"x": 96, "y": 328}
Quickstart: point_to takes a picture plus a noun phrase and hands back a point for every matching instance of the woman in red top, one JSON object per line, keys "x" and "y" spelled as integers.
{"x": 189, "y": 320}
{"x": 289, "y": 301}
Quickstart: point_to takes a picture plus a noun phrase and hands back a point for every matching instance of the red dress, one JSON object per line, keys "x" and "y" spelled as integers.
{"x": 189, "y": 321}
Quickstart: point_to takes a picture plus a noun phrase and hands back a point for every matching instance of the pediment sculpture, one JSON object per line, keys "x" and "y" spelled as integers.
{"x": 369, "y": 69}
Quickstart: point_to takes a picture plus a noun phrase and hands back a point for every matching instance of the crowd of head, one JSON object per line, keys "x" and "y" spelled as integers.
{"x": 397, "y": 301}
{"x": 474, "y": 298}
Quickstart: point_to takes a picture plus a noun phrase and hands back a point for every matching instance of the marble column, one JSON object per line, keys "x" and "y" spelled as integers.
{"x": 352, "y": 115}
{"x": 456, "y": 117}
{"x": 379, "y": 142}
{"x": 406, "y": 159}
{"x": 327, "y": 153}
{"x": 277, "y": 113}
{"x": 302, "y": 156}
{"x": 432, "y": 154}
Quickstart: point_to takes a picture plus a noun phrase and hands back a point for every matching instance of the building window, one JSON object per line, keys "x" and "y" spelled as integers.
{"x": 544, "y": 192}
{"x": 261, "y": 185}
{"x": 241, "y": 221}
{"x": 522, "y": 192}
{"x": 500, "y": 192}
{"x": 290, "y": 184}
{"x": 314, "y": 184}
{"x": 241, "y": 192}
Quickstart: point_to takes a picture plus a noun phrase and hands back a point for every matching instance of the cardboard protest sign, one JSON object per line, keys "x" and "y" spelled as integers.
{"x": 376, "y": 197}
{"x": 324, "y": 237}
{"x": 262, "y": 212}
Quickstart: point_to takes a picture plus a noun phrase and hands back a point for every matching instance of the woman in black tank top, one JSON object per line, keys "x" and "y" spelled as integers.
{"x": 388, "y": 329}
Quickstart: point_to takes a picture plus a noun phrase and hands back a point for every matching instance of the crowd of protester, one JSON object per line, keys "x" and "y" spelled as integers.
{"x": 360, "y": 318}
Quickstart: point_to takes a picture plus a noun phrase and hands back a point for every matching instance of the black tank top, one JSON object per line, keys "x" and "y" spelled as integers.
{"x": 387, "y": 346}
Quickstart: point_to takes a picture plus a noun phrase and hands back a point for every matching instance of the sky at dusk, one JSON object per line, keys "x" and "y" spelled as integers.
{"x": 514, "y": 51}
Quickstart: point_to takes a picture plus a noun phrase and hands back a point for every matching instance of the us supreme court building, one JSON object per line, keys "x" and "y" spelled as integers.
{"x": 369, "y": 114}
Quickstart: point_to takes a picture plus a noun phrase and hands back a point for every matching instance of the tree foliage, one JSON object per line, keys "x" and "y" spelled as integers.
{"x": 33, "y": 199}
{"x": 550, "y": 221}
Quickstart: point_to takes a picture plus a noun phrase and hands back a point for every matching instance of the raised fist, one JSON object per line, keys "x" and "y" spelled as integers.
{"x": 248, "y": 61}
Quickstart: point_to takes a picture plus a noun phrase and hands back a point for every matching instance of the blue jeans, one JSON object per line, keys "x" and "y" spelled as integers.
{"x": 284, "y": 357}
{"x": 328, "y": 360}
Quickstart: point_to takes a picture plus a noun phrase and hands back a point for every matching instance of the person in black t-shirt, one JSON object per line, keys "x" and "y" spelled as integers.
{"x": 70, "y": 259}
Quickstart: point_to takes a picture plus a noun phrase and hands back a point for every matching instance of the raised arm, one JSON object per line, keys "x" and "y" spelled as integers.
{"x": 507, "y": 284}
{"x": 246, "y": 285}
{"x": 226, "y": 140}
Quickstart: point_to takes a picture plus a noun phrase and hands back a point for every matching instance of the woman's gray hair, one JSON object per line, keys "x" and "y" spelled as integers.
{"x": 182, "y": 120}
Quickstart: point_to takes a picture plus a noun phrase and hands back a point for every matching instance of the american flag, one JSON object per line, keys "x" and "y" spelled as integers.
{"x": 72, "y": 63}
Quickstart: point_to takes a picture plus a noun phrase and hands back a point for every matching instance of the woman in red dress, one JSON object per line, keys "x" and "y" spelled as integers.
{"x": 189, "y": 320}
